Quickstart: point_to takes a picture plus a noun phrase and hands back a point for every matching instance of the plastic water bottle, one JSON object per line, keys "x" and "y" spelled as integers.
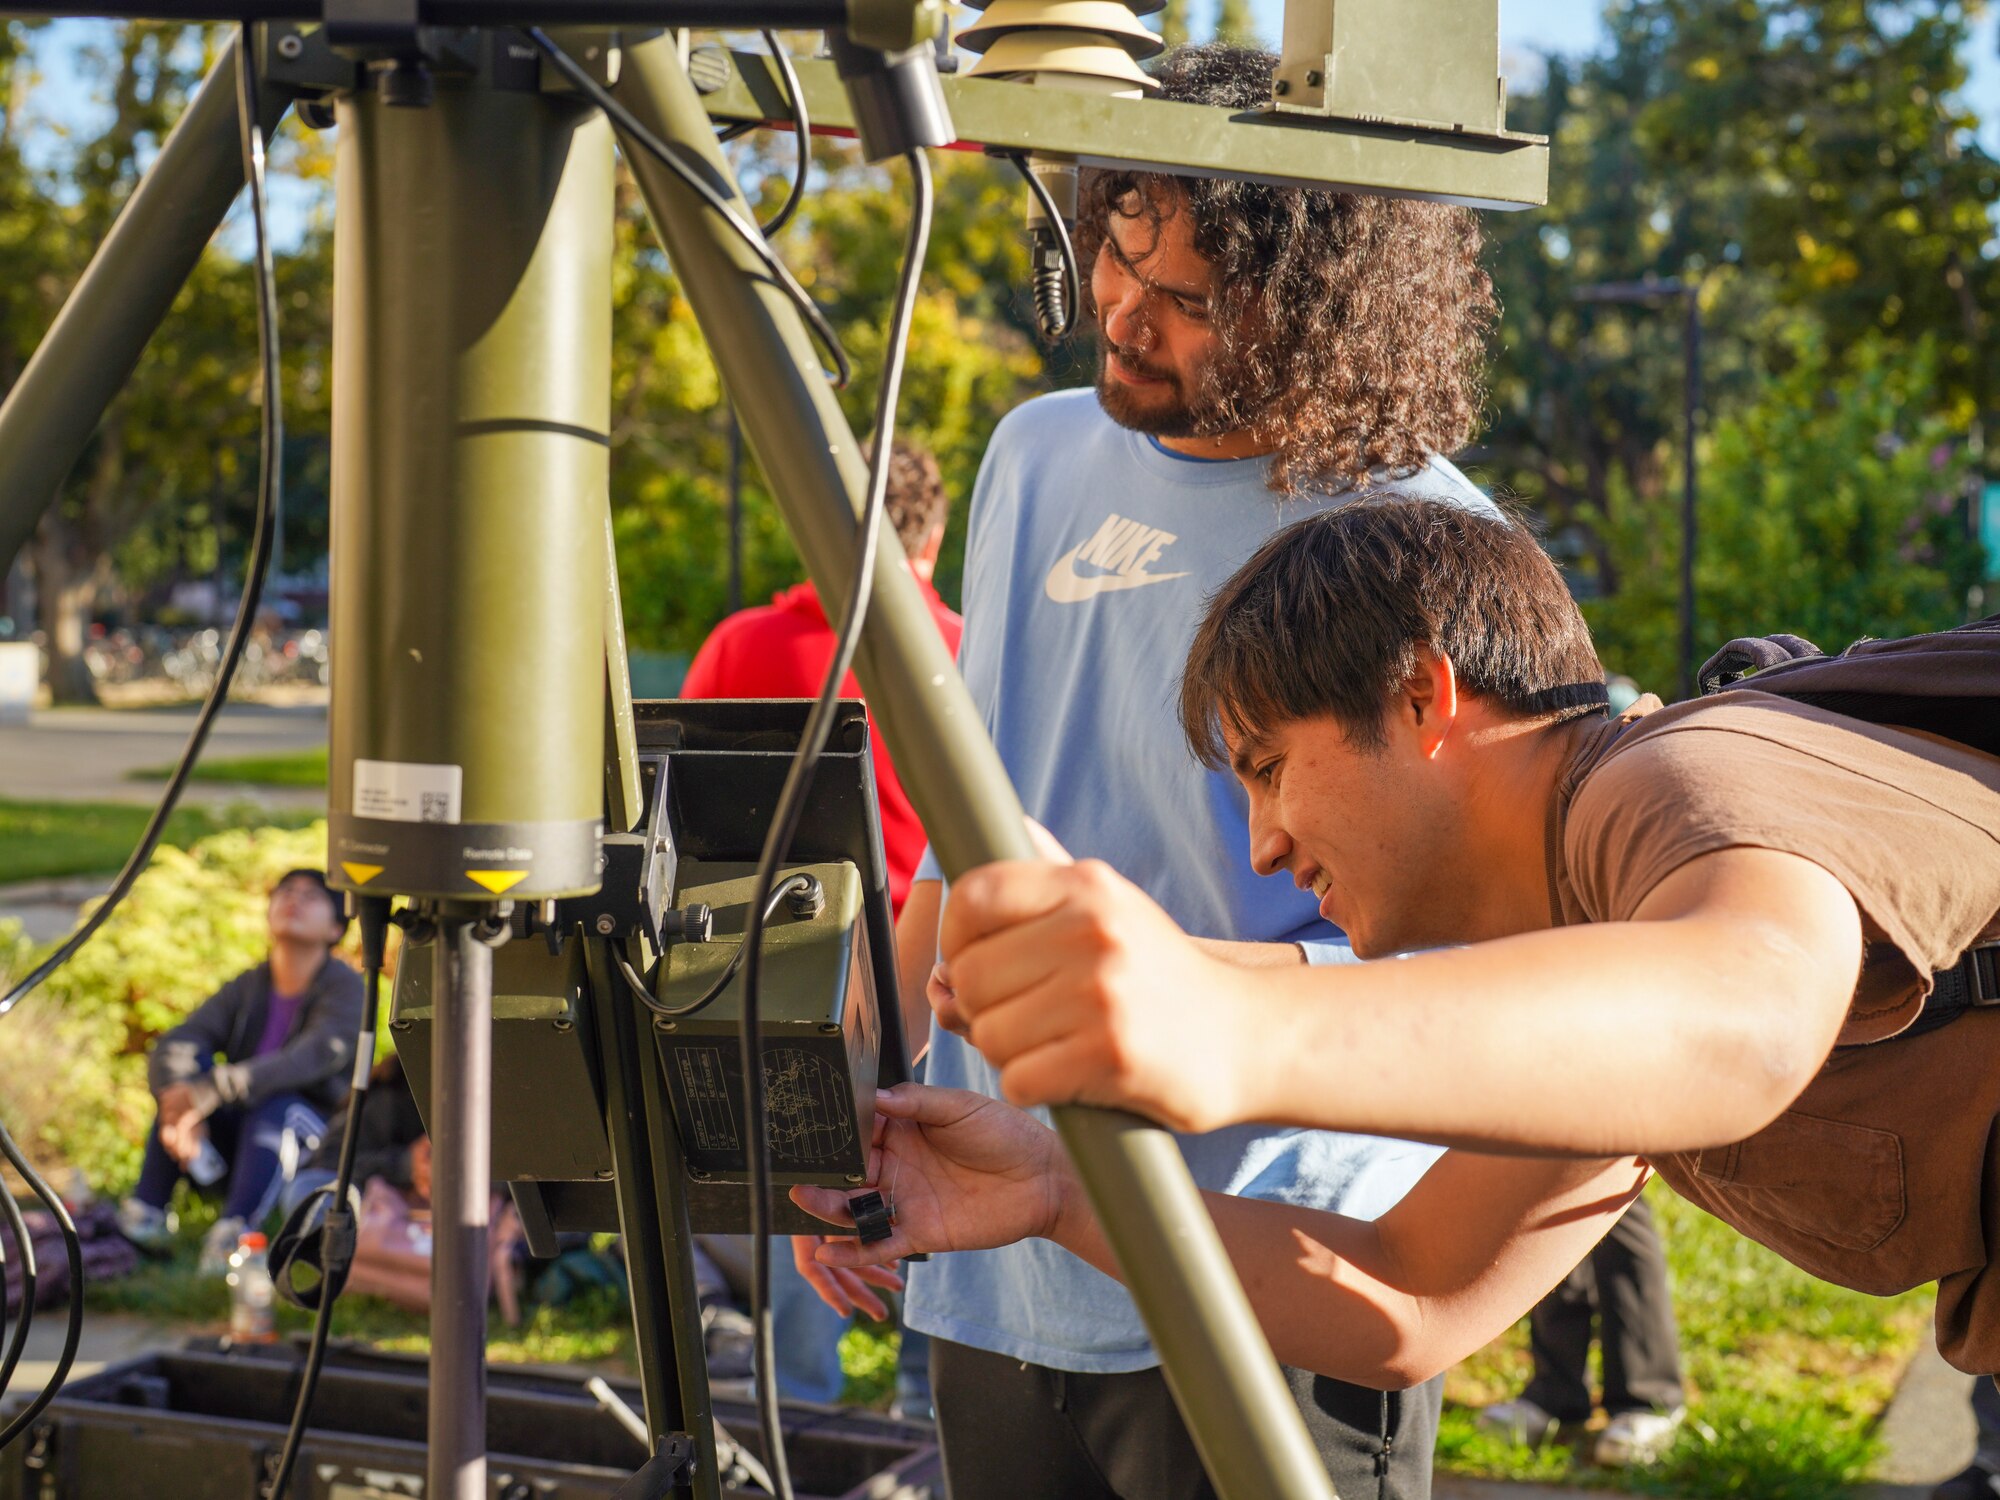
{"x": 209, "y": 1166}
{"x": 250, "y": 1292}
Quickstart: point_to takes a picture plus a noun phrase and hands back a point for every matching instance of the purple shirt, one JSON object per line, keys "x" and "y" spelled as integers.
{"x": 278, "y": 1023}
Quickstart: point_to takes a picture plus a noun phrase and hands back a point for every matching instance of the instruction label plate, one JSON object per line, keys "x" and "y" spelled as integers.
{"x": 712, "y": 1107}
{"x": 405, "y": 791}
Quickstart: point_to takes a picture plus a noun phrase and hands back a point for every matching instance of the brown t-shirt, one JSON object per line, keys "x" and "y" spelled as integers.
{"x": 1884, "y": 1174}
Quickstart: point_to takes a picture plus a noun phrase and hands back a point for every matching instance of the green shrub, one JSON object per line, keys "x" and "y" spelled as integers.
{"x": 73, "y": 1088}
{"x": 1831, "y": 508}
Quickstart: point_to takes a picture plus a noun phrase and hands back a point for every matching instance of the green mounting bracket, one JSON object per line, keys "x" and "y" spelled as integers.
{"x": 1493, "y": 171}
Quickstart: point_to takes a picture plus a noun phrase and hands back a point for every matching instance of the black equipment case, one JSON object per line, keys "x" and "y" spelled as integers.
{"x": 207, "y": 1423}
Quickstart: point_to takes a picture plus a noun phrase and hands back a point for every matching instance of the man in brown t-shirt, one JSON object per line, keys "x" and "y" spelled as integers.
{"x": 1698, "y": 936}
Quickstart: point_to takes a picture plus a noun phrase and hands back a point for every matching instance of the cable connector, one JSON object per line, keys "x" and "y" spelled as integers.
{"x": 806, "y": 899}
{"x": 693, "y": 923}
{"x": 372, "y": 912}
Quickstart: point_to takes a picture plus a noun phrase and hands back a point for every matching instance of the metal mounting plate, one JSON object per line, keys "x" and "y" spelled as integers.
{"x": 1502, "y": 171}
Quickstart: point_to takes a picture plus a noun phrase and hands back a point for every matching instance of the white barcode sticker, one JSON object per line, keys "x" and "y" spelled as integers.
{"x": 404, "y": 791}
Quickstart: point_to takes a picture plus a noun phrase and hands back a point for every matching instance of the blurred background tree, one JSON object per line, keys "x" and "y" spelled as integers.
{"x": 971, "y": 359}
{"x": 1815, "y": 165}
{"x": 1812, "y": 162}
{"x": 166, "y": 487}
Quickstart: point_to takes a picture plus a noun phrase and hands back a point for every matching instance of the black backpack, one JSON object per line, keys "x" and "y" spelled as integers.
{"x": 1946, "y": 684}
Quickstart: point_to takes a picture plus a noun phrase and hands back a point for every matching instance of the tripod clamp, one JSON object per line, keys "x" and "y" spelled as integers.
{"x": 670, "y": 1469}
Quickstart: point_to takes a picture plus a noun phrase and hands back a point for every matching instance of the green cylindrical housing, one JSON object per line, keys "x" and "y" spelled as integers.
{"x": 472, "y": 357}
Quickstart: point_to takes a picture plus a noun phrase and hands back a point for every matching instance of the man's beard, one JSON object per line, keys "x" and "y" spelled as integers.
{"x": 1167, "y": 410}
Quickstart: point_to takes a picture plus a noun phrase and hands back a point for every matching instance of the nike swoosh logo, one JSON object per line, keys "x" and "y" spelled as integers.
{"x": 1067, "y": 586}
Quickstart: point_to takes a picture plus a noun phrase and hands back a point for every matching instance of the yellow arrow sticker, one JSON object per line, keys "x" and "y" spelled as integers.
{"x": 360, "y": 874}
{"x": 499, "y": 882}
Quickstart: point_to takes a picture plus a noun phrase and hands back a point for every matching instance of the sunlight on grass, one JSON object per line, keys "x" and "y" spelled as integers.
{"x": 1786, "y": 1378}
{"x": 294, "y": 768}
{"x": 49, "y": 840}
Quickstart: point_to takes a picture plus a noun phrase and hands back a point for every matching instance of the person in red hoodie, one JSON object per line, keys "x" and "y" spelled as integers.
{"x": 782, "y": 649}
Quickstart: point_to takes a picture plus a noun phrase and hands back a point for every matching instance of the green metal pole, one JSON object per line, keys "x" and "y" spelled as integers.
{"x": 622, "y": 792}
{"x": 1244, "y": 1422}
{"x": 92, "y": 347}
{"x": 652, "y": 1216}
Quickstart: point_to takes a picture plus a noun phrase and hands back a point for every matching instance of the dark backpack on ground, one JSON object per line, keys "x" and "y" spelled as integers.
{"x": 1946, "y": 684}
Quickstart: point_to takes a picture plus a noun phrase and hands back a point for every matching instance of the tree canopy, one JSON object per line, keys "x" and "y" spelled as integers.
{"x": 1811, "y": 163}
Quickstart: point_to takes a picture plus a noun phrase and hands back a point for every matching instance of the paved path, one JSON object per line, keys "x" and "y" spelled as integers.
{"x": 1928, "y": 1429}
{"x": 107, "y": 1339}
{"x": 84, "y": 754}
{"x": 48, "y": 909}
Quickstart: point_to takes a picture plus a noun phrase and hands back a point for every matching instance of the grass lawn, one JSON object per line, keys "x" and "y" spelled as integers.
{"x": 293, "y": 768}
{"x": 1786, "y": 1377}
{"x": 46, "y": 840}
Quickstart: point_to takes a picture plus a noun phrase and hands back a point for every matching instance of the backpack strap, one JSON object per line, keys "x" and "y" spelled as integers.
{"x": 1973, "y": 983}
{"x": 1751, "y": 653}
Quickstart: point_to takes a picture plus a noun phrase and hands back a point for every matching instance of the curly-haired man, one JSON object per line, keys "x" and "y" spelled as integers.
{"x": 1266, "y": 352}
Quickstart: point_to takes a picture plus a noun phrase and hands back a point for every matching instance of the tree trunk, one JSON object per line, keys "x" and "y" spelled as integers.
{"x": 64, "y": 594}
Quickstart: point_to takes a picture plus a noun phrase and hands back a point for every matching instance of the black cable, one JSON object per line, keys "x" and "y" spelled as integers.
{"x": 73, "y": 1250}
{"x": 690, "y": 176}
{"x": 801, "y": 133}
{"x": 1072, "y": 275}
{"x": 269, "y": 498}
{"x": 19, "y": 1224}
{"x": 338, "y": 1228}
{"x": 791, "y": 805}
{"x": 736, "y": 131}
{"x": 5, "y": 1374}
{"x": 643, "y": 991}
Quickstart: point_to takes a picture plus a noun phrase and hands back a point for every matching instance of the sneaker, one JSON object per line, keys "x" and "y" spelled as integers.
{"x": 1635, "y": 1438}
{"x": 1518, "y": 1421}
{"x": 1976, "y": 1481}
{"x": 218, "y": 1245}
{"x": 730, "y": 1339}
{"x": 150, "y": 1229}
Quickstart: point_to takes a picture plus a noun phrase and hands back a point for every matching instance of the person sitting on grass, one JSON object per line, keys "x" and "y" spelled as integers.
{"x": 1700, "y": 939}
{"x": 245, "y": 1084}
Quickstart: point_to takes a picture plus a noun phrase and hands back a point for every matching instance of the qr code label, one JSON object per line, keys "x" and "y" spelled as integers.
{"x": 401, "y": 791}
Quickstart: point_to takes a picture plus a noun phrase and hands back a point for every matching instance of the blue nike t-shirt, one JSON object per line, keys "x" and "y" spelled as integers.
{"x": 1090, "y": 553}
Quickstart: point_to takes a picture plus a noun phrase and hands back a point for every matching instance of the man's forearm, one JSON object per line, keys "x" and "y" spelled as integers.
{"x": 1390, "y": 1303}
{"x": 1252, "y": 955}
{"x": 1639, "y": 1037}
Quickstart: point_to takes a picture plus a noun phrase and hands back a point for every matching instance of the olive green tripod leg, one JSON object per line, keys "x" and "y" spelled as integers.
{"x": 1250, "y": 1434}
{"x": 89, "y": 352}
